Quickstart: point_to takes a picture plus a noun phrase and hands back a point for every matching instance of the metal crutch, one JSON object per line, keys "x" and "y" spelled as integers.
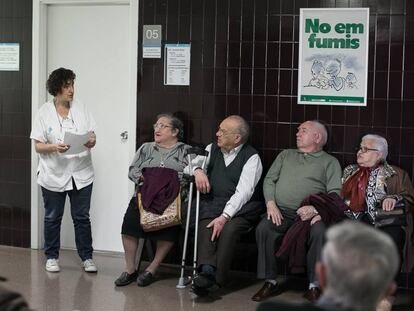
{"x": 198, "y": 152}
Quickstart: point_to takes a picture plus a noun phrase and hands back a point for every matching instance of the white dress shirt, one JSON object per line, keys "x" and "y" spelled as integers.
{"x": 249, "y": 177}
{"x": 55, "y": 170}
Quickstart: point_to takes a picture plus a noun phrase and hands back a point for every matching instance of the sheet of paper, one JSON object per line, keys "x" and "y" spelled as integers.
{"x": 76, "y": 142}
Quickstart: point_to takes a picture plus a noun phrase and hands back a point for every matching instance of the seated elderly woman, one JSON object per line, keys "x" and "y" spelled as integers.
{"x": 373, "y": 183}
{"x": 166, "y": 151}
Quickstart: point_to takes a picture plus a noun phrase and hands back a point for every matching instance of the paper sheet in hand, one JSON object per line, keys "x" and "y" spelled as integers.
{"x": 76, "y": 142}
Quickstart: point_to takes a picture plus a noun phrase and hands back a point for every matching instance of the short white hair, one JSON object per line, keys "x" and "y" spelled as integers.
{"x": 380, "y": 143}
{"x": 321, "y": 128}
{"x": 361, "y": 262}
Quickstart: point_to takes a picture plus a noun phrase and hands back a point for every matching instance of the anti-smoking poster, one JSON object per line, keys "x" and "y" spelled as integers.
{"x": 333, "y": 56}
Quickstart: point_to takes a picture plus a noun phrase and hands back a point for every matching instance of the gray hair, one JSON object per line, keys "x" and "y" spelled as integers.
{"x": 176, "y": 124}
{"x": 360, "y": 262}
{"x": 321, "y": 128}
{"x": 380, "y": 143}
{"x": 243, "y": 127}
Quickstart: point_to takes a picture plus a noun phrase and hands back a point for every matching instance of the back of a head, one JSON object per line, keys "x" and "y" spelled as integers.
{"x": 360, "y": 262}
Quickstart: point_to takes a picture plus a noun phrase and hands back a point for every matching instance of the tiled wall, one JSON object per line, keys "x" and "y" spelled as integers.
{"x": 244, "y": 60}
{"x": 15, "y": 121}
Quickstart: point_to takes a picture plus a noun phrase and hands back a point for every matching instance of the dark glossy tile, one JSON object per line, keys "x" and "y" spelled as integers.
{"x": 408, "y": 85}
{"x": 273, "y": 28}
{"x": 272, "y": 55}
{"x": 259, "y": 54}
{"x": 311, "y": 112}
{"x": 258, "y": 108}
{"x": 395, "y": 83}
{"x": 394, "y": 115}
{"x": 220, "y": 81}
{"x": 408, "y": 113}
{"x": 352, "y": 140}
{"x": 382, "y": 53}
{"x": 246, "y": 107}
{"x": 220, "y": 59}
{"x": 260, "y": 29}
{"x": 408, "y": 61}
{"x": 221, "y": 27}
{"x": 297, "y": 112}
{"x": 272, "y": 78}
{"x": 337, "y": 138}
{"x": 407, "y": 148}
{"x": 394, "y": 141}
{"x": 287, "y": 28}
{"x": 246, "y": 76}
{"x": 270, "y": 134}
{"x": 257, "y": 135}
{"x": 365, "y": 114}
{"x": 184, "y": 28}
{"x": 283, "y": 135}
{"x": 247, "y": 27}
{"x": 285, "y": 87}
{"x": 233, "y": 81}
{"x": 286, "y": 55}
{"x": 380, "y": 113}
{"x": 284, "y": 109}
{"x": 259, "y": 81}
{"x": 233, "y": 105}
{"x": 271, "y": 108}
{"x": 234, "y": 28}
{"x": 246, "y": 54}
{"x": 381, "y": 84}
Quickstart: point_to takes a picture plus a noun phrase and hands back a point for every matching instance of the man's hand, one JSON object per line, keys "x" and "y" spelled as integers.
{"x": 306, "y": 212}
{"x": 388, "y": 204}
{"x": 315, "y": 219}
{"x": 273, "y": 213}
{"x": 91, "y": 142}
{"x": 201, "y": 181}
{"x": 217, "y": 224}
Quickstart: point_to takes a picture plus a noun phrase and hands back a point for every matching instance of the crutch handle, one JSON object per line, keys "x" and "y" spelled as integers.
{"x": 197, "y": 151}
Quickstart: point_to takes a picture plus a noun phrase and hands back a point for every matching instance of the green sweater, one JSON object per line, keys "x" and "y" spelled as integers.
{"x": 294, "y": 175}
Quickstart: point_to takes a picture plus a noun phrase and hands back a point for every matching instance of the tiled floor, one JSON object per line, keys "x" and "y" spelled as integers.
{"x": 73, "y": 289}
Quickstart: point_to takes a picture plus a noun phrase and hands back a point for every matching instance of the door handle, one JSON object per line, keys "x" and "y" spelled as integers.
{"x": 124, "y": 135}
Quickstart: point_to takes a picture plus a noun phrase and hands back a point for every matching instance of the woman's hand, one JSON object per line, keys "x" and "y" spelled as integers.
{"x": 62, "y": 147}
{"x": 273, "y": 213}
{"x": 388, "y": 204}
{"x": 91, "y": 142}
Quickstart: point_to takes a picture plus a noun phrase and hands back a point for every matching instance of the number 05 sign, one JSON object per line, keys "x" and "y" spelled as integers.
{"x": 151, "y": 41}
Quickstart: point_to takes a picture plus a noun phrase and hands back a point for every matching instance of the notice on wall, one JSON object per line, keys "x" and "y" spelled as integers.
{"x": 177, "y": 64}
{"x": 9, "y": 56}
{"x": 333, "y": 56}
{"x": 151, "y": 41}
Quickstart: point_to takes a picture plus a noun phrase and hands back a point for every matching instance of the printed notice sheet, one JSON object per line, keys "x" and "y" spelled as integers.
{"x": 177, "y": 64}
{"x": 76, "y": 142}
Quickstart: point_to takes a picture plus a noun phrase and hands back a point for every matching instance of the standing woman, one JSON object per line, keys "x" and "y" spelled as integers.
{"x": 59, "y": 174}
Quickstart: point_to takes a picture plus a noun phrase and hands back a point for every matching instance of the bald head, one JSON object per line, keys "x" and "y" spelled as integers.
{"x": 311, "y": 136}
{"x": 241, "y": 126}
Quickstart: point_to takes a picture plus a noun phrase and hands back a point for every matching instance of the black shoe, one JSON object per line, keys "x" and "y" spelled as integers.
{"x": 268, "y": 290}
{"x": 200, "y": 292}
{"x": 204, "y": 280}
{"x": 145, "y": 279}
{"x": 125, "y": 278}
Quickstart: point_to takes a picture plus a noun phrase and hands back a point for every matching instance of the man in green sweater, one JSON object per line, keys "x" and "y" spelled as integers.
{"x": 293, "y": 176}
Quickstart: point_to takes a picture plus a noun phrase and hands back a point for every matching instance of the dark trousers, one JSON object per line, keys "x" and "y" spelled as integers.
{"x": 54, "y": 203}
{"x": 397, "y": 234}
{"x": 220, "y": 252}
{"x": 269, "y": 236}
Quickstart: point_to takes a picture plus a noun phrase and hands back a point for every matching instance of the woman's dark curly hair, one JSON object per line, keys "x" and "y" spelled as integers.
{"x": 176, "y": 124}
{"x": 58, "y": 79}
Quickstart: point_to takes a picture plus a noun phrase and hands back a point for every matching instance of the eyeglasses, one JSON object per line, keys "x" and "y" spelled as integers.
{"x": 364, "y": 149}
{"x": 160, "y": 126}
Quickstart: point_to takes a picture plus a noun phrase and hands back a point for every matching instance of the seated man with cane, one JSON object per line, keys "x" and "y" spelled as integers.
{"x": 226, "y": 209}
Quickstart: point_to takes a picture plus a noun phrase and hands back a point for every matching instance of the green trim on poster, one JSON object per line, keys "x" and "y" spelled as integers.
{"x": 330, "y": 99}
